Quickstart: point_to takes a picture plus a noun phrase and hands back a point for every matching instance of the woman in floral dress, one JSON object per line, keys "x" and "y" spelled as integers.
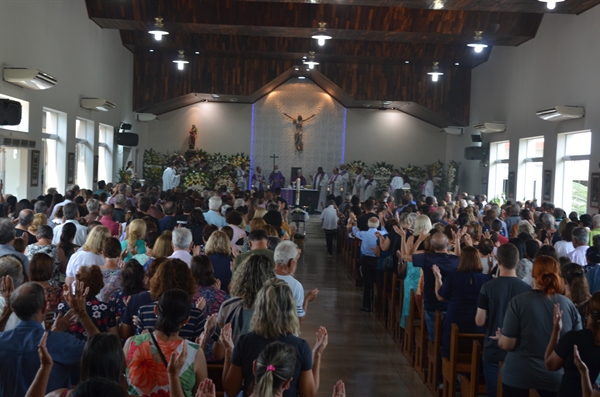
{"x": 101, "y": 315}
{"x": 41, "y": 267}
{"x": 147, "y": 354}
{"x": 44, "y": 245}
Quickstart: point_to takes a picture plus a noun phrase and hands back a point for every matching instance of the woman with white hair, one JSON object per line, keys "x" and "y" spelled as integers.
{"x": 89, "y": 254}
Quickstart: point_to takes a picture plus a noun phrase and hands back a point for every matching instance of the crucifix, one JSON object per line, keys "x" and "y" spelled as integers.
{"x": 298, "y": 134}
{"x": 274, "y": 157}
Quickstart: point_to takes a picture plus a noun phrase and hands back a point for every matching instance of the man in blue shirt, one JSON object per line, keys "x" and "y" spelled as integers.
{"x": 368, "y": 261}
{"x": 213, "y": 217}
{"x": 447, "y": 263}
{"x": 19, "y": 347}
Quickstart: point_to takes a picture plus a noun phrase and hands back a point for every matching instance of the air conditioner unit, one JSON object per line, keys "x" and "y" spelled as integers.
{"x": 561, "y": 113}
{"x": 29, "y": 78}
{"x": 12, "y": 142}
{"x": 490, "y": 127}
{"x": 145, "y": 117}
{"x": 453, "y": 130}
{"x": 99, "y": 104}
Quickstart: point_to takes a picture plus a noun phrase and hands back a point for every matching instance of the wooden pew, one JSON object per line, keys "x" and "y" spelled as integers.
{"x": 473, "y": 384}
{"x": 421, "y": 339}
{"x": 499, "y": 391}
{"x": 412, "y": 322}
{"x": 433, "y": 356}
{"x": 394, "y": 306}
{"x": 215, "y": 373}
{"x": 459, "y": 361}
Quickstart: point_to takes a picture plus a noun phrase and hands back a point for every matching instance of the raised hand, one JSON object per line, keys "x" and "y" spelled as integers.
{"x": 45, "y": 357}
{"x": 322, "y": 341}
{"x": 62, "y": 323}
{"x": 578, "y": 361}
{"x": 177, "y": 360}
{"x": 436, "y": 272}
{"x": 76, "y": 301}
{"x": 312, "y": 295}
{"x": 339, "y": 389}
{"x": 196, "y": 250}
{"x": 206, "y": 389}
{"x": 557, "y": 318}
{"x": 217, "y": 284}
{"x": 226, "y": 339}
{"x": 211, "y": 323}
{"x": 8, "y": 286}
{"x": 497, "y": 336}
{"x": 201, "y": 303}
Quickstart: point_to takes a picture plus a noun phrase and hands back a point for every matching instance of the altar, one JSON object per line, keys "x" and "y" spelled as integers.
{"x": 308, "y": 198}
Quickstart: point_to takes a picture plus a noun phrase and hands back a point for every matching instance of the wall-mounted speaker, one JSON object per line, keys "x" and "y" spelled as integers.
{"x": 475, "y": 153}
{"x": 127, "y": 139}
{"x": 10, "y": 112}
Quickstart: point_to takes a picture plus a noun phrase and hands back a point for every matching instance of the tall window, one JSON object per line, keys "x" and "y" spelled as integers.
{"x": 84, "y": 152}
{"x": 52, "y": 136}
{"x": 105, "y": 153}
{"x": 498, "y": 179}
{"x": 531, "y": 164}
{"x": 572, "y": 170}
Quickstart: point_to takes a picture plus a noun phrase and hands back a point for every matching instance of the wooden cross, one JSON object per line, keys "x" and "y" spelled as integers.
{"x": 274, "y": 157}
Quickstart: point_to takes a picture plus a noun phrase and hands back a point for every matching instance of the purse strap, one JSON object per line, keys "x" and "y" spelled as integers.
{"x": 162, "y": 356}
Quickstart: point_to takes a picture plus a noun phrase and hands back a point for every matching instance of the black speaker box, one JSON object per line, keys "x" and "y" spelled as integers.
{"x": 127, "y": 139}
{"x": 10, "y": 112}
{"x": 475, "y": 153}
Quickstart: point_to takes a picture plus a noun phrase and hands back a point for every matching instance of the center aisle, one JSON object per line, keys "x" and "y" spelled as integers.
{"x": 360, "y": 352}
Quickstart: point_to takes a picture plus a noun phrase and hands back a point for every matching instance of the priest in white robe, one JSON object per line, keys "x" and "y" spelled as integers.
{"x": 170, "y": 178}
{"x": 358, "y": 182}
{"x": 337, "y": 183}
{"x": 345, "y": 175}
{"x": 320, "y": 182}
{"x": 369, "y": 187}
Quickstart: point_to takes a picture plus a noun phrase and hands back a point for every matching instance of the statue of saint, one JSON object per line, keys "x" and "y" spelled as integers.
{"x": 192, "y": 138}
{"x": 298, "y": 134}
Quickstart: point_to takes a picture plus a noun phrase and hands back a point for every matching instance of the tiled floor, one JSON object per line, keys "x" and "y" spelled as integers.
{"x": 360, "y": 352}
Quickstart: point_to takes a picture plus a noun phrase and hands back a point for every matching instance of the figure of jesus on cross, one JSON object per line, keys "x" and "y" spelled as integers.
{"x": 298, "y": 134}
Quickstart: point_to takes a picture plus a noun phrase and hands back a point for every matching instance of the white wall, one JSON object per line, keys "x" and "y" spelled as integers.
{"x": 58, "y": 38}
{"x": 394, "y": 137}
{"x": 560, "y": 66}
{"x": 222, "y": 128}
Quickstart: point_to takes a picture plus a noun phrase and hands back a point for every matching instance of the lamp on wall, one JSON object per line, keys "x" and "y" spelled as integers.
{"x": 310, "y": 60}
{"x": 158, "y": 31}
{"x": 551, "y": 4}
{"x": 180, "y": 60}
{"x": 435, "y": 72}
{"x": 321, "y": 36}
{"x": 477, "y": 44}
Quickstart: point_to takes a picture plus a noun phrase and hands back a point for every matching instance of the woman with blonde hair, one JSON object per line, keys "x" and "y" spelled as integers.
{"x": 275, "y": 319}
{"x": 218, "y": 249}
{"x": 163, "y": 247}
{"x": 89, "y": 254}
{"x": 527, "y": 329}
{"x": 259, "y": 213}
{"x": 38, "y": 220}
{"x": 134, "y": 244}
{"x": 526, "y": 227}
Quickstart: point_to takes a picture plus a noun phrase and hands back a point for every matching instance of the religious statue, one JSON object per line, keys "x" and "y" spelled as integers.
{"x": 192, "y": 139}
{"x": 298, "y": 134}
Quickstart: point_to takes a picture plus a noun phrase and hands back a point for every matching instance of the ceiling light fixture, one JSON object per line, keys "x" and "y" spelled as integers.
{"x": 477, "y": 43}
{"x": 159, "y": 30}
{"x": 310, "y": 60}
{"x": 301, "y": 77}
{"x": 197, "y": 52}
{"x": 406, "y": 62}
{"x": 551, "y": 4}
{"x": 151, "y": 50}
{"x": 456, "y": 63}
{"x": 180, "y": 60}
{"x": 438, "y": 4}
{"x": 321, "y": 36}
{"x": 435, "y": 72}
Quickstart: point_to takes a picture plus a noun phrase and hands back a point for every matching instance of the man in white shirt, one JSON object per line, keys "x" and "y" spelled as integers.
{"x": 286, "y": 259}
{"x": 170, "y": 178}
{"x": 581, "y": 238}
{"x": 396, "y": 186}
{"x": 330, "y": 218}
{"x": 181, "y": 243}
{"x": 69, "y": 197}
{"x": 213, "y": 217}
{"x": 71, "y": 215}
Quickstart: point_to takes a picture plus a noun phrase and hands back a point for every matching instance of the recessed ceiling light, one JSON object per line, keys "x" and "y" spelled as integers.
{"x": 197, "y": 52}
{"x": 296, "y": 69}
{"x": 151, "y": 50}
{"x": 215, "y": 96}
{"x": 406, "y": 62}
{"x": 457, "y": 63}
{"x": 301, "y": 77}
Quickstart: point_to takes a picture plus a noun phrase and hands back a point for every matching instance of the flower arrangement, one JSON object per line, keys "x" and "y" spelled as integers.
{"x": 353, "y": 165}
{"x": 123, "y": 176}
{"x": 196, "y": 158}
{"x": 153, "y": 167}
{"x": 239, "y": 159}
{"x": 225, "y": 180}
{"x": 176, "y": 159}
{"x": 217, "y": 161}
{"x": 196, "y": 180}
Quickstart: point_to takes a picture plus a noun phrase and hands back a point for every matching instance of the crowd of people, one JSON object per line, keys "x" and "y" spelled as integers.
{"x": 523, "y": 274}
{"x": 131, "y": 290}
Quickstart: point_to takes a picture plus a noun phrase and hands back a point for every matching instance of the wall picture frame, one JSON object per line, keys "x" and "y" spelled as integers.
{"x": 511, "y": 185}
{"x": 96, "y": 161}
{"x": 71, "y": 168}
{"x": 35, "y": 168}
{"x": 547, "y": 185}
{"x": 594, "y": 190}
